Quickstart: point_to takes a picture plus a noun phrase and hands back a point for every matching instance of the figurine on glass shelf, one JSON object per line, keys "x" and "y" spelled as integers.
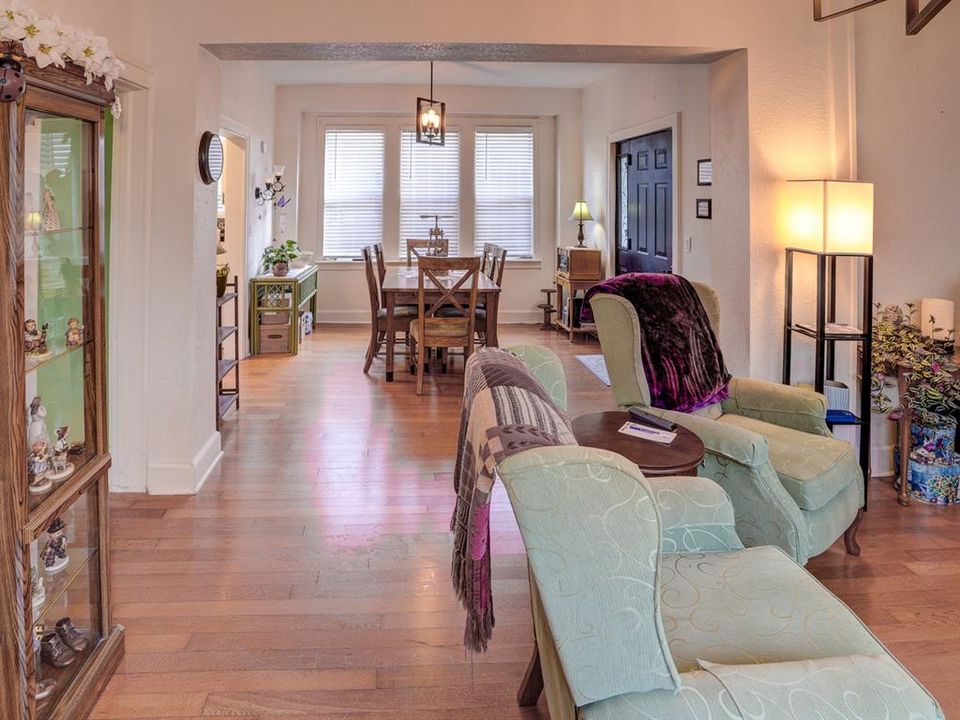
{"x": 50, "y": 218}
{"x": 37, "y": 426}
{"x": 38, "y": 466}
{"x": 54, "y": 553}
{"x": 62, "y": 469}
{"x": 37, "y": 592}
{"x": 74, "y": 333}
{"x": 35, "y": 339}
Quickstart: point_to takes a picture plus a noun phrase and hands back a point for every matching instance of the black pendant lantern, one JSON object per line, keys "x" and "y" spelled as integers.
{"x": 431, "y": 118}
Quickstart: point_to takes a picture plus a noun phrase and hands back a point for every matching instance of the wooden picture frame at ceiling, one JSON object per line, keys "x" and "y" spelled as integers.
{"x": 916, "y": 17}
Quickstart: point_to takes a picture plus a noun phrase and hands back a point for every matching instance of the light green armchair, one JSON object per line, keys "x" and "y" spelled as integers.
{"x": 646, "y": 606}
{"x": 791, "y": 482}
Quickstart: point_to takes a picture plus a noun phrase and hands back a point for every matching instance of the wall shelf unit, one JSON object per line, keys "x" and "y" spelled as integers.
{"x": 228, "y": 393}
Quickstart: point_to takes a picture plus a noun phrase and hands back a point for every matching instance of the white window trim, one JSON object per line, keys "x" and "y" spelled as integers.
{"x": 467, "y": 125}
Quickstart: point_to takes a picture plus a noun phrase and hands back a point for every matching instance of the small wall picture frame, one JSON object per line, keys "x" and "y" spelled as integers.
{"x": 704, "y": 208}
{"x": 705, "y": 172}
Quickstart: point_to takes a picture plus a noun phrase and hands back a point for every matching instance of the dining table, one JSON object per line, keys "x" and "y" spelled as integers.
{"x": 401, "y": 286}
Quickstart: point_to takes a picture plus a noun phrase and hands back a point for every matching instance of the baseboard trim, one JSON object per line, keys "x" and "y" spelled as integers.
{"x": 185, "y": 478}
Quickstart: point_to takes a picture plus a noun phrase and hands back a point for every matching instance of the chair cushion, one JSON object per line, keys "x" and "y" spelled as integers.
{"x": 753, "y": 606}
{"x": 812, "y": 468}
{"x": 400, "y": 311}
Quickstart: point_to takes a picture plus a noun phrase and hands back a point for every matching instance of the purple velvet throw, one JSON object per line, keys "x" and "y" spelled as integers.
{"x": 681, "y": 357}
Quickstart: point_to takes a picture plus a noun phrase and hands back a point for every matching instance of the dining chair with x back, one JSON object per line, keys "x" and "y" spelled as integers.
{"x": 403, "y": 314}
{"x": 433, "y": 248}
{"x": 446, "y": 322}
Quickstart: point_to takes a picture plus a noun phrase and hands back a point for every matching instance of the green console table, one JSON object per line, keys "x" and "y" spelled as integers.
{"x": 275, "y": 307}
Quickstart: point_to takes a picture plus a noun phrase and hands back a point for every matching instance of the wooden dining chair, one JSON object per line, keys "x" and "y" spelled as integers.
{"x": 486, "y": 258}
{"x": 445, "y": 322}
{"x": 404, "y": 314}
{"x": 432, "y": 247}
{"x": 494, "y": 271}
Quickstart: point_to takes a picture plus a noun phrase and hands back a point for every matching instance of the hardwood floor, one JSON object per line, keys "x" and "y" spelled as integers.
{"x": 309, "y": 578}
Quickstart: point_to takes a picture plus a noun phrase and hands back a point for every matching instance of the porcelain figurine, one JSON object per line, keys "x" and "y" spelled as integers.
{"x": 38, "y": 465}
{"x": 37, "y": 592}
{"x": 37, "y": 426}
{"x": 35, "y": 339}
{"x": 50, "y": 218}
{"x": 74, "y": 333}
{"x": 62, "y": 469}
{"x": 54, "y": 553}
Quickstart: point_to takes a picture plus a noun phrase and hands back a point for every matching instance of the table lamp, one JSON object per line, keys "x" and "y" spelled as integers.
{"x": 581, "y": 213}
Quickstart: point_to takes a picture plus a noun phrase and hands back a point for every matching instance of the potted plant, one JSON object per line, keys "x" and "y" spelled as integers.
{"x": 933, "y": 395}
{"x": 277, "y": 258}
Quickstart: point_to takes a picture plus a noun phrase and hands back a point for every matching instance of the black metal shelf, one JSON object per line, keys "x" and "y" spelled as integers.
{"x": 825, "y": 351}
{"x": 228, "y": 396}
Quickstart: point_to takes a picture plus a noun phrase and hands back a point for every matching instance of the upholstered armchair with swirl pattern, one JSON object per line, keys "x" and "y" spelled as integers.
{"x": 791, "y": 482}
{"x": 646, "y": 605}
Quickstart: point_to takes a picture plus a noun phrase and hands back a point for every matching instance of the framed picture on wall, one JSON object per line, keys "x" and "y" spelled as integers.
{"x": 705, "y": 172}
{"x": 704, "y": 208}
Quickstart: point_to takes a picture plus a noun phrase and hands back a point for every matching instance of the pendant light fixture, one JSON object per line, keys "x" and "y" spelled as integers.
{"x": 431, "y": 118}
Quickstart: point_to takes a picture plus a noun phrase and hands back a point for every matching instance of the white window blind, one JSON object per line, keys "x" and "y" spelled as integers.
{"x": 352, "y": 190}
{"x": 503, "y": 189}
{"x": 429, "y": 185}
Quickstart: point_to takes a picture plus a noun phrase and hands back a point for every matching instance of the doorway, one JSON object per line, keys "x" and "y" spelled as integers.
{"x": 232, "y": 221}
{"x": 644, "y": 203}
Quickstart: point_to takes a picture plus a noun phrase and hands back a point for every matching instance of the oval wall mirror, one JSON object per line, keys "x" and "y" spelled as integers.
{"x": 211, "y": 157}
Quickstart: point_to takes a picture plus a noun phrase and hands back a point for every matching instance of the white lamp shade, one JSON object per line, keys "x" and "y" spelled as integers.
{"x": 831, "y": 216}
{"x": 942, "y": 325}
{"x": 581, "y": 211}
{"x": 278, "y": 170}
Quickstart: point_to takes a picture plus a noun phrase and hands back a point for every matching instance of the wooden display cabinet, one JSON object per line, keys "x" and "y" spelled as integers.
{"x": 52, "y": 272}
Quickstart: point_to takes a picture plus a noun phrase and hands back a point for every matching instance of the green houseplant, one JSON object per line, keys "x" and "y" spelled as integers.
{"x": 932, "y": 388}
{"x": 277, "y": 258}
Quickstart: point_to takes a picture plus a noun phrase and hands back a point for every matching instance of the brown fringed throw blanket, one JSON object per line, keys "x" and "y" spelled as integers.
{"x": 681, "y": 356}
{"x": 505, "y": 411}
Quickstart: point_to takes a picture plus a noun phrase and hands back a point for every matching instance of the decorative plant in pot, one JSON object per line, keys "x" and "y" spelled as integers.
{"x": 933, "y": 392}
{"x": 277, "y": 258}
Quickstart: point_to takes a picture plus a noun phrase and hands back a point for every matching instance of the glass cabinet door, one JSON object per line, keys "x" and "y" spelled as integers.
{"x": 59, "y": 234}
{"x": 62, "y": 393}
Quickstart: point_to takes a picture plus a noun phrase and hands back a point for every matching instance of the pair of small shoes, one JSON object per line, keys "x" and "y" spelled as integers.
{"x": 72, "y": 636}
{"x": 54, "y": 652}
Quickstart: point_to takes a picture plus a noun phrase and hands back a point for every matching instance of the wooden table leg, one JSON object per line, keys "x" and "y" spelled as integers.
{"x": 391, "y": 331}
{"x": 903, "y": 427}
{"x": 493, "y": 310}
{"x": 532, "y": 684}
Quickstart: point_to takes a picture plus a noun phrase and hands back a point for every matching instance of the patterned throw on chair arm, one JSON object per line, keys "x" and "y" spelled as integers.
{"x": 791, "y": 407}
{"x": 592, "y": 535}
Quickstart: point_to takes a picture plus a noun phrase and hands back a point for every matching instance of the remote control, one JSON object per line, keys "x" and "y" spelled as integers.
{"x": 642, "y": 416}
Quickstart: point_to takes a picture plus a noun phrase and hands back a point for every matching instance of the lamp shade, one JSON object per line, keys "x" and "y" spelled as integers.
{"x": 830, "y": 216}
{"x": 580, "y": 211}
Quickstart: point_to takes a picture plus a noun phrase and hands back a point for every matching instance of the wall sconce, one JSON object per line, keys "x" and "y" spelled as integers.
{"x": 829, "y": 216}
{"x": 271, "y": 188}
{"x": 581, "y": 213}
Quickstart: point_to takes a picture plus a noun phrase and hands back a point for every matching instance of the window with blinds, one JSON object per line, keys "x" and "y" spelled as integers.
{"x": 352, "y": 190}
{"x": 429, "y": 185}
{"x": 503, "y": 190}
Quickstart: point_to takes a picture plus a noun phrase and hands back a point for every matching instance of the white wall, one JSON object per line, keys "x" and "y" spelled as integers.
{"x": 790, "y": 110}
{"x": 554, "y": 112}
{"x": 908, "y": 116}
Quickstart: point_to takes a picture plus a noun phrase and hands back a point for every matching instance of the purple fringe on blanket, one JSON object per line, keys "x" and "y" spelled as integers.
{"x": 681, "y": 357}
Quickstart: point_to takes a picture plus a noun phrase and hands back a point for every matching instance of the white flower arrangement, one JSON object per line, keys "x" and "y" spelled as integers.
{"x": 48, "y": 41}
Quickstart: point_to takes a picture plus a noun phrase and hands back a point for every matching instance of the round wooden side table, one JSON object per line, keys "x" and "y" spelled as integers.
{"x": 600, "y": 430}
